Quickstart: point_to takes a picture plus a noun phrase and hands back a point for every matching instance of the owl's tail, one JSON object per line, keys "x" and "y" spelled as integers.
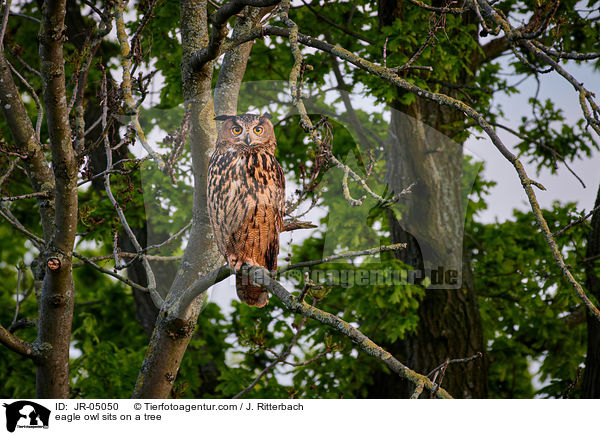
{"x": 253, "y": 295}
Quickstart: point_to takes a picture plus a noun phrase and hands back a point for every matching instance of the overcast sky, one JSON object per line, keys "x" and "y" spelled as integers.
{"x": 508, "y": 193}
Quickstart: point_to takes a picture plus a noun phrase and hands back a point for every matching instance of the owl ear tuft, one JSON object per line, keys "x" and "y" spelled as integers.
{"x": 223, "y": 117}
{"x": 266, "y": 115}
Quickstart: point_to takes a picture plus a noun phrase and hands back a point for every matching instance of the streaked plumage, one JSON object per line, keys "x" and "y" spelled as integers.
{"x": 246, "y": 198}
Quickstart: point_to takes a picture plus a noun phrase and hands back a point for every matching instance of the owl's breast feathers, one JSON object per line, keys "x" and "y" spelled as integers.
{"x": 246, "y": 202}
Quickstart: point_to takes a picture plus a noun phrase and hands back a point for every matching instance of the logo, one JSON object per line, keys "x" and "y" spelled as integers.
{"x": 26, "y": 414}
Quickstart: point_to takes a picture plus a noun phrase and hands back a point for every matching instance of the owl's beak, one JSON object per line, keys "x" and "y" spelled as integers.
{"x": 248, "y": 139}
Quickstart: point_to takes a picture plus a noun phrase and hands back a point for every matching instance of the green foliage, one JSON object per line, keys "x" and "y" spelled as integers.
{"x": 526, "y": 305}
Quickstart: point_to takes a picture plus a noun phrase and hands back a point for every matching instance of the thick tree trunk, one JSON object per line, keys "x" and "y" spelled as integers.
{"x": 58, "y": 292}
{"x": 172, "y": 335}
{"x": 431, "y": 222}
{"x": 590, "y": 388}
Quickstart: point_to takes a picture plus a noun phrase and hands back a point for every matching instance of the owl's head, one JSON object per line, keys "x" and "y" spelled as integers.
{"x": 246, "y": 132}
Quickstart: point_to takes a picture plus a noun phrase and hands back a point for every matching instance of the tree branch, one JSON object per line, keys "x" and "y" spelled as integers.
{"x": 19, "y": 346}
{"x": 156, "y": 298}
{"x": 372, "y": 251}
{"x": 132, "y": 106}
{"x": 261, "y": 276}
{"x": 219, "y": 29}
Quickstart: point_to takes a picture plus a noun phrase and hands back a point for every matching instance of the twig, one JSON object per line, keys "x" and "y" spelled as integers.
{"x": 576, "y": 222}
{"x": 27, "y": 17}
{"x": 563, "y": 55}
{"x": 573, "y": 384}
{"x": 555, "y": 153}
{"x": 26, "y": 196}
{"x": 129, "y": 255}
{"x": 132, "y": 106}
{"x": 170, "y": 239}
{"x": 11, "y": 167}
{"x": 18, "y": 299}
{"x": 127, "y": 281}
{"x": 455, "y": 361}
{"x": 430, "y": 35}
{"x": 6, "y": 214}
{"x": 346, "y": 30}
{"x": 442, "y": 372}
{"x": 372, "y": 251}
{"x": 4, "y": 23}
{"x": 159, "y": 245}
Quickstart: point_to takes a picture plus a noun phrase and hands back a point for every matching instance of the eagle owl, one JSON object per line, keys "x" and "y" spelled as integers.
{"x": 246, "y": 198}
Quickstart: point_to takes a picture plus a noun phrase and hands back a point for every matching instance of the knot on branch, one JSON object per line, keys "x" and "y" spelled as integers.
{"x": 180, "y": 329}
{"x": 58, "y": 300}
{"x": 53, "y": 263}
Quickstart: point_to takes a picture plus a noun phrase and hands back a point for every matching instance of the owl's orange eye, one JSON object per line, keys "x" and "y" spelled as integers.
{"x": 236, "y": 130}
{"x": 258, "y": 129}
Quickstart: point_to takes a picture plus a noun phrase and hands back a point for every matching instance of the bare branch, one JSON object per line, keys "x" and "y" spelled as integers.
{"x": 4, "y": 23}
{"x": 132, "y": 106}
{"x": 107, "y": 271}
{"x": 576, "y": 222}
{"x": 129, "y": 255}
{"x": 219, "y": 29}
{"x": 156, "y": 298}
{"x": 454, "y": 361}
{"x": 563, "y": 55}
{"x": 17, "y": 345}
{"x": 26, "y": 196}
{"x": 6, "y": 214}
{"x": 372, "y": 251}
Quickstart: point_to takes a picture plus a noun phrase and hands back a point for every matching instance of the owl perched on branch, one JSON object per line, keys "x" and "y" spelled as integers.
{"x": 246, "y": 198}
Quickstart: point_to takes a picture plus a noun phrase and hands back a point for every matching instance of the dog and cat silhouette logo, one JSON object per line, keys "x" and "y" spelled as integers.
{"x": 26, "y": 414}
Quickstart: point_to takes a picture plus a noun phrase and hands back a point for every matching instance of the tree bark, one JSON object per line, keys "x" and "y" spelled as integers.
{"x": 172, "y": 335}
{"x": 58, "y": 292}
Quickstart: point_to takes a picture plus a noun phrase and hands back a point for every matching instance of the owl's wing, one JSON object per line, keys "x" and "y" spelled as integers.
{"x": 277, "y": 193}
{"x": 246, "y": 203}
{"x": 222, "y": 191}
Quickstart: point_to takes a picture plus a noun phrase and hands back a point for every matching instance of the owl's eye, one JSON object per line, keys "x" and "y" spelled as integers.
{"x": 236, "y": 130}
{"x": 258, "y": 129}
